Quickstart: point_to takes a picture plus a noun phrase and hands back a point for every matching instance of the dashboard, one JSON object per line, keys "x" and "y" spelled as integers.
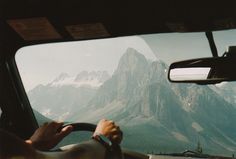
{"x": 169, "y": 157}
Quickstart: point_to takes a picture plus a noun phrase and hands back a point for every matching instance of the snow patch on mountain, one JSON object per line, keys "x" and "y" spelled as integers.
{"x": 220, "y": 85}
{"x": 187, "y": 107}
{"x": 180, "y": 136}
{"x": 197, "y": 127}
{"x": 92, "y": 79}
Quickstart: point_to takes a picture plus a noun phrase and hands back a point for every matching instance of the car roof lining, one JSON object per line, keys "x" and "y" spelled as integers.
{"x": 120, "y": 18}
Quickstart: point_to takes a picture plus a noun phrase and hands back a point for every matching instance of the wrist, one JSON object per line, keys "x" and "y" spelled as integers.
{"x": 103, "y": 140}
{"x": 99, "y": 133}
{"x": 38, "y": 145}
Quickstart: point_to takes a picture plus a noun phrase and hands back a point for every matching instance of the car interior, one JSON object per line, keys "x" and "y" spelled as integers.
{"x": 36, "y": 23}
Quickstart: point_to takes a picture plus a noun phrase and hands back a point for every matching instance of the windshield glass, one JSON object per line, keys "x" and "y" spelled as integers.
{"x": 125, "y": 79}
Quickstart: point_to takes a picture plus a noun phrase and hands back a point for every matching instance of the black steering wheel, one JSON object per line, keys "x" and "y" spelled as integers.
{"x": 115, "y": 154}
{"x": 82, "y": 126}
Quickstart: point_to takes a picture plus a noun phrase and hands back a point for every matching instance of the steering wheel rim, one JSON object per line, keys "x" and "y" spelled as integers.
{"x": 82, "y": 126}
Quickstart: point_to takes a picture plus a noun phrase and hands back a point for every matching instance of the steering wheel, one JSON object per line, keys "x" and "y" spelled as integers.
{"x": 82, "y": 126}
{"x": 118, "y": 153}
{"x": 116, "y": 150}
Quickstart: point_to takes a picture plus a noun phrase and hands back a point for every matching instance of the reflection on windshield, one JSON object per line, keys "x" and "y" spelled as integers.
{"x": 125, "y": 79}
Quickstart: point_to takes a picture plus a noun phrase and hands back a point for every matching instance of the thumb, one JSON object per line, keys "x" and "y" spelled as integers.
{"x": 64, "y": 132}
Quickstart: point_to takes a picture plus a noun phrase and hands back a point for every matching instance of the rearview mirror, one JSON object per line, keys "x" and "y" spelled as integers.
{"x": 205, "y": 70}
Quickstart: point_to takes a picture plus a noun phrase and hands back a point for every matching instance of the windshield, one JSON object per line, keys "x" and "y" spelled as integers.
{"x": 125, "y": 79}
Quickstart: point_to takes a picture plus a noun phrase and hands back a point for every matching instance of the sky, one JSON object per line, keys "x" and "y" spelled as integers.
{"x": 172, "y": 47}
{"x": 40, "y": 64}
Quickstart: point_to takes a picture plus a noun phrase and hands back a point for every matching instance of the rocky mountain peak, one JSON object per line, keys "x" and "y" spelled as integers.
{"x": 132, "y": 61}
{"x": 61, "y": 77}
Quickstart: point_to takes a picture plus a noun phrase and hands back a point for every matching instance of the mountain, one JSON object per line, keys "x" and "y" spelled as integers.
{"x": 175, "y": 116}
{"x": 226, "y": 90}
{"x": 40, "y": 118}
{"x": 155, "y": 115}
{"x": 65, "y": 94}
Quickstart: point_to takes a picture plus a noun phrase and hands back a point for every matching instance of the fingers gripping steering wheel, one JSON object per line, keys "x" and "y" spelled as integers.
{"x": 116, "y": 153}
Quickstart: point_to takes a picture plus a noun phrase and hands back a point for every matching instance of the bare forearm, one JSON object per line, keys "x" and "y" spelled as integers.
{"x": 11, "y": 146}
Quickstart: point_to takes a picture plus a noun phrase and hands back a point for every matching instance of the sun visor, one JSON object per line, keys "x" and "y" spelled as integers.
{"x": 34, "y": 29}
{"x": 87, "y": 31}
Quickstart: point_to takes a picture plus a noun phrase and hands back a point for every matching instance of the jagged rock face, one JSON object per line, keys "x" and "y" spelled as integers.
{"x": 168, "y": 116}
{"x": 187, "y": 112}
{"x": 226, "y": 90}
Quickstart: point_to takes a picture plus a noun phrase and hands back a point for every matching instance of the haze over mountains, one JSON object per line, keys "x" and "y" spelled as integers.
{"x": 66, "y": 94}
{"x": 92, "y": 79}
{"x": 156, "y": 116}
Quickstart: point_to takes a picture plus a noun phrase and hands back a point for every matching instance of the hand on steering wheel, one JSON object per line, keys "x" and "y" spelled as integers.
{"x": 109, "y": 129}
{"x": 50, "y": 134}
{"x": 106, "y": 128}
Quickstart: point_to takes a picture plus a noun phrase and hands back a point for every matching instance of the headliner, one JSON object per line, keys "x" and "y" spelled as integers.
{"x": 120, "y": 18}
